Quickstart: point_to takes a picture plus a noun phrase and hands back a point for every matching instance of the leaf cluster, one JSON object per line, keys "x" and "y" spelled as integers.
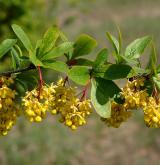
{"x": 54, "y": 51}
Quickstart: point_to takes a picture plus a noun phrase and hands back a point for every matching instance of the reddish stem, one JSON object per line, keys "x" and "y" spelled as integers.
{"x": 65, "y": 80}
{"x": 1, "y": 83}
{"x": 72, "y": 62}
{"x": 84, "y": 92}
{"x": 40, "y": 83}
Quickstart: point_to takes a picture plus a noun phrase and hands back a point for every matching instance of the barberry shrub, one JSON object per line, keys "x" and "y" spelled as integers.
{"x": 24, "y": 93}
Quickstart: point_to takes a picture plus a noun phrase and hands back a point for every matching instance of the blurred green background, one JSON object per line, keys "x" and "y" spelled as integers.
{"x": 51, "y": 143}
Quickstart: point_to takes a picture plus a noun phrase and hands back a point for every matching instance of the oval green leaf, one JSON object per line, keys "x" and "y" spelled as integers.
{"x": 79, "y": 74}
{"x": 58, "y": 51}
{"x": 22, "y": 36}
{"x": 6, "y": 45}
{"x": 137, "y": 47}
{"x": 84, "y": 45}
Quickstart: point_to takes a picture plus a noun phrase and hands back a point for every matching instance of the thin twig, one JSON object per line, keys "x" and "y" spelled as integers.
{"x": 8, "y": 73}
{"x": 84, "y": 92}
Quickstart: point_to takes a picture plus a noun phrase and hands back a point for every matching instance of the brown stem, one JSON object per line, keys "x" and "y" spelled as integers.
{"x": 65, "y": 80}
{"x": 8, "y": 73}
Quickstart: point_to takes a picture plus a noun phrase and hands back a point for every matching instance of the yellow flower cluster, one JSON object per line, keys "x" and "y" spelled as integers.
{"x": 152, "y": 113}
{"x": 75, "y": 115}
{"x": 9, "y": 110}
{"x": 118, "y": 115}
{"x": 36, "y": 104}
{"x": 6, "y": 80}
{"x": 62, "y": 100}
{"x": 73, "y": 111}
{"x": 63, "y": 96}
{"x": 57, "y": 99}
{"x": 135, "y": 98}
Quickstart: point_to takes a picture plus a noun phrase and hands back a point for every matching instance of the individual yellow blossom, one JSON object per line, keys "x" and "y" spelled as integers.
{"x": 118, "y": 115}
{"x": 35, "y": 106}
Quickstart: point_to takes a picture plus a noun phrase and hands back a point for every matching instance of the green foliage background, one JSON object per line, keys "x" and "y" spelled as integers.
{"x": 51, "y": 143}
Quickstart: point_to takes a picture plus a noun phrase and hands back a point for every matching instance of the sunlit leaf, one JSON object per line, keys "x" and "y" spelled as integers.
{"x": 22, "y": 36}
{"x": 6, "y": 45}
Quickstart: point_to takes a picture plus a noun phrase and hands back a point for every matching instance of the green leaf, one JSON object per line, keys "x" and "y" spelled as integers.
{"x": 58, "y": 51}
{"x": 33, "y": 58}
{"x": 102, "y": 92}
{"x": 107, "y": 87}
{"x": 48, "y": 41}
{"x": 79, "y": 74}
{"x": 25, "y": 81}
{"x": 129, "y": 61}
{"x": 63, "y": 37}
{"x": 15, "y": 59}
{"x": 141, "y": 70}
{"x": 117, "y": 45}
{"x": 138, "y": 71}
{"x": 20, "y": 87}
{"x": 104, "y": 110}
{"x": 38, "y": 44}
{"x": 112, "y": 71}
{"x": 84, "y": 62}
{"x": 118, "y": 98}
{"x": 6, "y": 45}
{"x": 101, "y": 57}
{"x": 152, "y": 64}
{"x": 84, "y": 45}
{"x": 137, "y": 47}
{"x": 149, "y": 86}
{"x": 158, "y": 69}
{"x": 18, "y": 49}
{"x": 14, "y": 65}
{"x": 24, "y": 58}
{"x": 56, "y": 65}
{"x": 22, "y": 36}
{"x": 24, "y": 61}
{"x": 156, "y": 80}
{"x": 114, "y": 42}
{"x": 30, "y": 77}
{"x": 119, "y": 39}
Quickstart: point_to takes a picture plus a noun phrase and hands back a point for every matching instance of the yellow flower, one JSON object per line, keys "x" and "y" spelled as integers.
{"x": 118, "y": 115}
{"x": 35, "y": 108}
{"x": 152, "y": 113}
{"x": 135, "y": 98}
{"x": 8, "y": 118}
{"x": 9, "y": 110}
{"x": 6, "y": 80}
{"x": 62, "y": 97}
{"x": 73, "y": 112}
